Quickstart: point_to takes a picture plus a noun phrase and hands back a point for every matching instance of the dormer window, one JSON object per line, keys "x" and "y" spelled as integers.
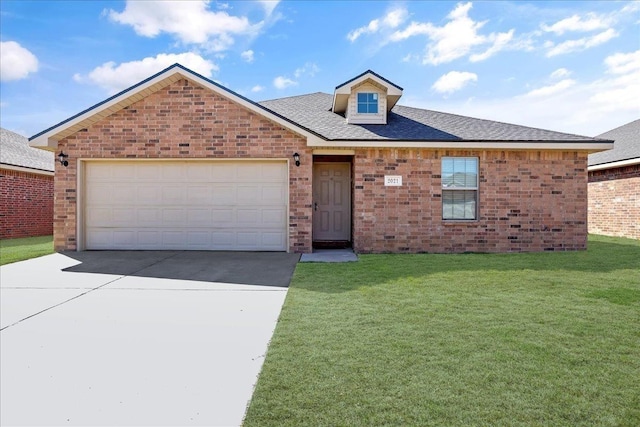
{"x": 367, "y": 103}
{"x": 366, "y": 99}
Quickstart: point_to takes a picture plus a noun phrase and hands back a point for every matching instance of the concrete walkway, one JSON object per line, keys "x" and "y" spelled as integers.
{"x": 92, "y": 348}
{"x": 330, "y": 255}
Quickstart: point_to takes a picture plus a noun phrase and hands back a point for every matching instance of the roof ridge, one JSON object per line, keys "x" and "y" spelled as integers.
{"x": 294, "y": 96}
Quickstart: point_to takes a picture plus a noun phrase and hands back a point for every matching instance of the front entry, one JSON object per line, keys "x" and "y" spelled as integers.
{"x": 331, "y": 202}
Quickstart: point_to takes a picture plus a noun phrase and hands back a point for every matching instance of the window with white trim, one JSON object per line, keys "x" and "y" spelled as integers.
{"x": 459, "y": 188}
{"x": 367, "y": 103}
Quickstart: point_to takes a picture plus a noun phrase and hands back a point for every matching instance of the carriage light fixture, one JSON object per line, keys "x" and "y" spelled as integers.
{"x": 62, "y": 158}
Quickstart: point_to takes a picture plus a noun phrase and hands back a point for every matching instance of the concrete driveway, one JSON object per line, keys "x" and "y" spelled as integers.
{"x": 136, "y": 338}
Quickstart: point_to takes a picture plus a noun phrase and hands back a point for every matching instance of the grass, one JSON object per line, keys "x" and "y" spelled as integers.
{"x": 13, "y": 250}
{"x": 545, "y": 339}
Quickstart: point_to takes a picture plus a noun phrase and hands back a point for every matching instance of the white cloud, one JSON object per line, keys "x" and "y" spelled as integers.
{"x": 16, "y": 62}
{"x": 282, "y": 82}
{"x": 390, "y": 20}
{"x": 621, "y": 63}
{"x": 500, "y": 41}
{"x": 257, "y": 88}
{"x": 191, "y": 22}
{"x": 581, "y": 44}
{"x": 454, "y": 81}
{"x": 114, "y": 78}
{"x": 551, "y": 89}
{"x": 247, "y": 56}
{"x": 269, "y": 6}
{"x": 585, "y": 108}
{"x": 560, "y": 73}
{"x": 590, "y": 22}
{"x": 457, "y": 38}
{"x": 310, "y": 69}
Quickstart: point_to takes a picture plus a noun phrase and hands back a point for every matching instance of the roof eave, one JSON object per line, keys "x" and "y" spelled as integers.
{"x": 615, "y": 164}
{"x": 588, "y": 146}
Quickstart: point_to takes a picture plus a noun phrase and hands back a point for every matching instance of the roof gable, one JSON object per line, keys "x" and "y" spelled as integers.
{"x": 49, "y": 138}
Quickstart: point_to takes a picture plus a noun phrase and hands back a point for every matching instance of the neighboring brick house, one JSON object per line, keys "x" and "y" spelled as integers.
{"x": 180, "y": 162}
{"x": 26, "y": 188}
{"x": 614, "y": 184}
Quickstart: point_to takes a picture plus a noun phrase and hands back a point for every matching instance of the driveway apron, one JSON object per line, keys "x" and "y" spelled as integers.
{"x": 116, "y": 338}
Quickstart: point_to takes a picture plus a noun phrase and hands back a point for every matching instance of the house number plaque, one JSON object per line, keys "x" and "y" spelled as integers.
{"x": 393, "y": 181}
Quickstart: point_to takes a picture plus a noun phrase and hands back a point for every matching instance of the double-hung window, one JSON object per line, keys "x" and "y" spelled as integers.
{"x": 459, "y": 188}
{"x": 367, "y": 103}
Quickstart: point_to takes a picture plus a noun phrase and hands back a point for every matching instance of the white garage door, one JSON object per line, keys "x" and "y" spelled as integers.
{"x": 221, "y": 205}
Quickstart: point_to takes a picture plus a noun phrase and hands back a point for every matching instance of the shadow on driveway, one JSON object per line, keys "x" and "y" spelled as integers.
{"x": 250, "y": 268}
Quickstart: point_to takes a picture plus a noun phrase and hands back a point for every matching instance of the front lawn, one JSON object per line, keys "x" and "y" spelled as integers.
{"x": 514, "y": 339}
{"x": 13, "y": 250}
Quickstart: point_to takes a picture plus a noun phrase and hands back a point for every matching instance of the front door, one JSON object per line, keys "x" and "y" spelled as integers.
{"x": 331, "y": 202}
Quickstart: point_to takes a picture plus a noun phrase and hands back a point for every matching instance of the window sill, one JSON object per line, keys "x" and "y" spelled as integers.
{"x": 460, "y": 221}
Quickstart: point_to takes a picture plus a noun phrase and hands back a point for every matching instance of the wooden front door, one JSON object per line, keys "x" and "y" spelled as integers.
{"x": 331, "y": 201}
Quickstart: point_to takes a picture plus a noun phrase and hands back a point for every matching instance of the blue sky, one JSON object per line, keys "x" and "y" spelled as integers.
{"x": 567, "y": 66}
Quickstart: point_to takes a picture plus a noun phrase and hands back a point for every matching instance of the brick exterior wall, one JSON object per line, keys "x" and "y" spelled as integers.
{"x": 614, "y": 202}
{"x": 26, "y": 204}
{"x": 184, "y": 121}
{"x": 528, "y": 201}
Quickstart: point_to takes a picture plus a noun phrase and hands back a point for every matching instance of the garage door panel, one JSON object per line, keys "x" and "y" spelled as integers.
{"x": 174, "y": 239}
{"x": 273, "y": 194}
{"x": 99, "y": 193}
{"x": 124, "y": 238}
{"x": 149, "y": 239}
{"x": 199, "y": 194}
{"x": 99, "y": 217}
{"x": 122, "y": 172}
{"x": 224, "y": 205}
{"x": 148, "y": 194}
{"x": 173, "y": 172}
{"x": 224, "y": 172}
{"x": 173, "y": 194}
{"x": 149, "y": 217}
{"x": 199, "y": 218}
{"x": 224, "y": 194}
{"x": 273, "y": 218}
{"x": 172, "y": 217}
{"x": 147, "y": 172}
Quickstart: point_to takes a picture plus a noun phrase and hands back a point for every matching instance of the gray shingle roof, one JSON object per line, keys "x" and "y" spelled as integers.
{"x": 313, "y": 112}
{"x": 15, "y": 151}
{"x": 625, "y": 147}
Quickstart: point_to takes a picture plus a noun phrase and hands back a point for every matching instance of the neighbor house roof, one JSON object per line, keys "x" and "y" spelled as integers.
{"x": 311, "y": 116}
{"x": 626, "y": 149}
{"x": 15, "y": 152}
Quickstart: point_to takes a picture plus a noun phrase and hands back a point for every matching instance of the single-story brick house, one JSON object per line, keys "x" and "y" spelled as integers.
{"x": 26, "y": 188}
{"x": 181, "y": 162}
{"x": 614, "y": 184}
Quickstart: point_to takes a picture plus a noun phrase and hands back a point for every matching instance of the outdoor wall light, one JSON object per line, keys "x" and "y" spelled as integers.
{"x": 296, "y": 157}
{"x": 62, "y": 158}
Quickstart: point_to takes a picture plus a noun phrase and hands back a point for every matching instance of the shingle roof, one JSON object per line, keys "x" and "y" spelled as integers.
{"x": 313, "y": 112}
{"x": 625, "y": 147}
{"x": 15, "y": 151}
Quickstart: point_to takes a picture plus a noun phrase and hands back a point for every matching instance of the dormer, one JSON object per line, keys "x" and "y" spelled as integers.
{"x": 366, "y": 99}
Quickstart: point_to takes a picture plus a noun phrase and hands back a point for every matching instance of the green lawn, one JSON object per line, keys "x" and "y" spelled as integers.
{"x": 545, "y": 339}
{"x": 13, "y": 250}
